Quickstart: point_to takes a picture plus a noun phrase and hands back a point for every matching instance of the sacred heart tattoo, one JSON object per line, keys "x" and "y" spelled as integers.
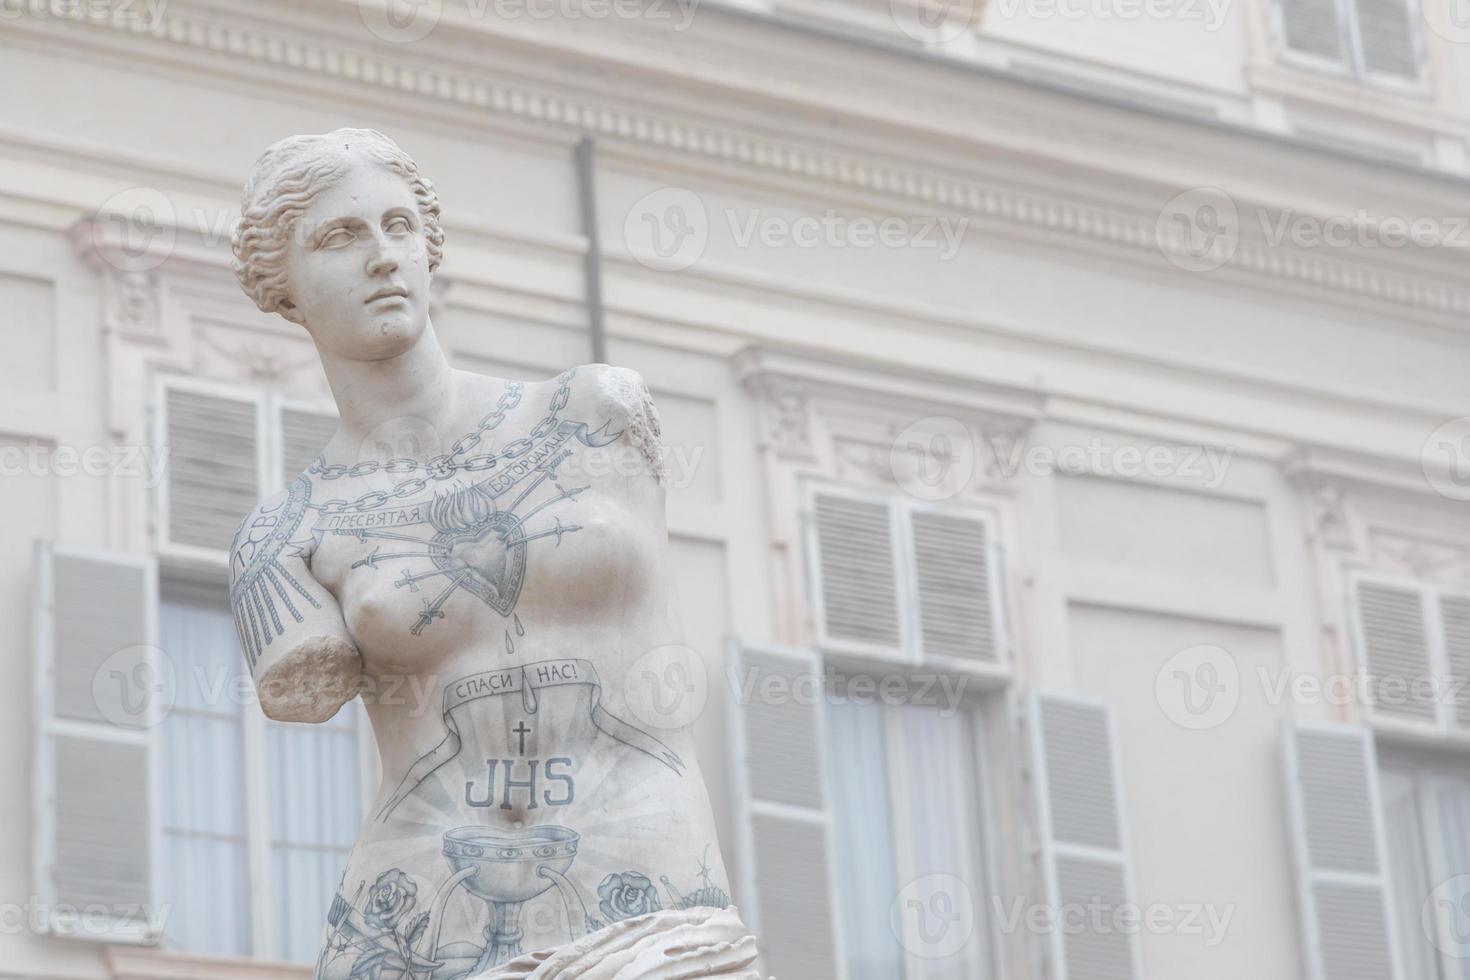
{"x": 471, "y": 539}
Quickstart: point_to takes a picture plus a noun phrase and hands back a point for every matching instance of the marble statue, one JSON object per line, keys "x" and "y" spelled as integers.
{"x": 454, "y": 541}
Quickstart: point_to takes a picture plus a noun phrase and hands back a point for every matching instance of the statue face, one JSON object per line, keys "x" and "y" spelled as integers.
{"x": 359, "y": 267}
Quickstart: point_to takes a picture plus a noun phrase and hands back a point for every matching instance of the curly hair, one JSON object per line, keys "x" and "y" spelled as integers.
{"x": 285, "y": 179}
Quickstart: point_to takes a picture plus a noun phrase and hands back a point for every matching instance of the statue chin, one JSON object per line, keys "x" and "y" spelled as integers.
{"x": 374, "y": 337}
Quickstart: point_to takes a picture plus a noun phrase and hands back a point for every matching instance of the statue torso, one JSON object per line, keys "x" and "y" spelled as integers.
{"x": 500, "y": 600}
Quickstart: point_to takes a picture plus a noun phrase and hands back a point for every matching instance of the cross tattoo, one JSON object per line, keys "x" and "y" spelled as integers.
{"x": 522, "y": 731}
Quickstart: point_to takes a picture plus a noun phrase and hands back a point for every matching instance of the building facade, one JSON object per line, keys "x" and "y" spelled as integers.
{"x": 1066, "y": 427}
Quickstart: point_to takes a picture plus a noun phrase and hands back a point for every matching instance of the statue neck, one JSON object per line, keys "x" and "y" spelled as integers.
{"x": 418, "y": 383}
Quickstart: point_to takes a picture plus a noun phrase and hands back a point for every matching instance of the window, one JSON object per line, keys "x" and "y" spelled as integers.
{"x": 1413, "y": 644}
{"x": 257, "y": 816}
{"x": 907, "y": 823}
{"x": 1427, "y": 815}
{"x": 903, "y": 579}
{"x": 227, "y": 449}
{"x": 1375, "y": 41}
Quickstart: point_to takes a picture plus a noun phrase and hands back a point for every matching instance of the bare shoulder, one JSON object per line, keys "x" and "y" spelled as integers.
{"x": 268, "y": 530}
{"x": 621, "y": 396}
{"x": 614, "y": 387}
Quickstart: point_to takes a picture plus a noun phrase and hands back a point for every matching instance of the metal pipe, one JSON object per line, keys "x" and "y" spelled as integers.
{"x": 592, "y": 261}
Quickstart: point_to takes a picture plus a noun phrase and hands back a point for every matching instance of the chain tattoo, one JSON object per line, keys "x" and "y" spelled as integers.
{"x": 445, "y": 465}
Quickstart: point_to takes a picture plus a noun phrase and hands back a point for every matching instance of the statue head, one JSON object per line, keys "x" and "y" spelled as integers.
{"x": 340, "y": 233}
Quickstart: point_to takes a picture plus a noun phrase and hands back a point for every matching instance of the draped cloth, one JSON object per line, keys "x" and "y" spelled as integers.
{"x": 673, "y": 944}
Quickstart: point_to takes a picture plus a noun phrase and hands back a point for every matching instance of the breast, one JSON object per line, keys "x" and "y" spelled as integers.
{"x": 477, "y": 577}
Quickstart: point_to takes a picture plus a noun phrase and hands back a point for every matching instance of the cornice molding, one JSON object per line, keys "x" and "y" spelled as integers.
{"x": 858, "y": 423}
{"x": 1314, "y": 467}
{"x": 311, "y": 50}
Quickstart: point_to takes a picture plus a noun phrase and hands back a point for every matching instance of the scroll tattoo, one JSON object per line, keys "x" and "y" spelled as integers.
{"x": 525, "y": 681}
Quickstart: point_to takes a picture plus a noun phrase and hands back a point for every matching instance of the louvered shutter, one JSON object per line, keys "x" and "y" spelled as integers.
{"x": 93, "y": 780}
{"x": 956, "y": 584}
{"x": 1393, "y": 649}
{"x": 214, "y": 465}
{"x": 304, "y": 434}
{"x": 1337, "y": 832}
{"x": 1388, "y": 38}
{"x": 1454, "y": 618}
{"x": 855, "y": 575}
{"x": 785, "y": 822}
{"x": 1084, "y": 849}
{"x": 1314, "y": 28}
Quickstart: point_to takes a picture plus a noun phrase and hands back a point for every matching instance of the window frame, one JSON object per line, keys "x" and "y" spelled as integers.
{"x": 981, "y": 853}
{"x": 254, "y": 729}
{"x": 178, "y": 564}
{"x": 1445, "y": 727}
{"x": 1352, "y": 68}
{"x": 1426, "y": 771}
{"x": 270, "y": 407}
{"x": 910, "y": 651}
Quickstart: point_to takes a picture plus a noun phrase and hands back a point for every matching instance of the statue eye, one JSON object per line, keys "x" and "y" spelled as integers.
{"x": 399, "y": 225}
{"x": 336, "y": 238}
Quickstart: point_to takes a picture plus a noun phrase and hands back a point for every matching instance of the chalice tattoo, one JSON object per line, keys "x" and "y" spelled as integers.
{"x": 467, "y": 538}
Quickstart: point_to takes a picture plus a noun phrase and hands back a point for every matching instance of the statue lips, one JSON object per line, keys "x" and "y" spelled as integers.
{"x": 493, "y": 553}
{"x": 387, "y": 292}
